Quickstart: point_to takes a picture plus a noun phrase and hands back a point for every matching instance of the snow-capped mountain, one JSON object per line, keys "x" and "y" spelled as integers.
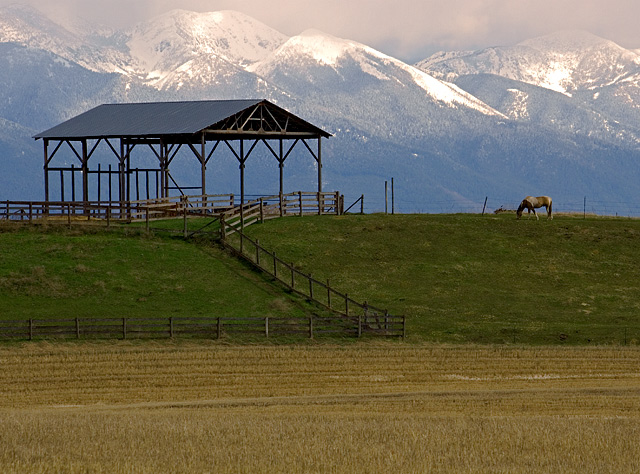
{"x": 564, "y": 62}
{"x": 554, "y": 115}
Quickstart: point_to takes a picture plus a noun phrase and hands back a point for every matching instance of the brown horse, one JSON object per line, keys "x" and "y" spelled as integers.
{"x": 532, "y": 203}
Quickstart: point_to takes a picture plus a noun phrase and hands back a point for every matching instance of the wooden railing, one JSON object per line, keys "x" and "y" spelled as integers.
{"x": 151, "y": 209}
{"x": 369, "y": 319}
{"x": 270, "y": 207}
{"x": 170, "y": 327}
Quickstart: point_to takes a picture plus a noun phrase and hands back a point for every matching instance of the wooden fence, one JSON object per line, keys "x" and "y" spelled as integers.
{"x": 171, "y": 327}
{"x": 372, "y": 320}
{"x": 352, "y": 317}
{"x": 105, "y": 212}
{"x": 283, "y": 205}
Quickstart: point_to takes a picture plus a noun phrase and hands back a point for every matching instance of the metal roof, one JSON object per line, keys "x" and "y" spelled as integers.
{"x": 160, "y": 119}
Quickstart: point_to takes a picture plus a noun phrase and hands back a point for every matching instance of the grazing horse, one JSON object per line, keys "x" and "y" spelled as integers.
{"x": 532, "y": 203}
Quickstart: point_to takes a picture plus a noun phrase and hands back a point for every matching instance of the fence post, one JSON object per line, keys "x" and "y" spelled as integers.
{"x": 293, "y": 283}
{"x": 320, "y": 206}
{"x": 124, "y": 328}
{"x": 261, "y": 210}
{"x": 30, "y": 212}
{"x": 171, "y": 327}
{"x": 219, "y": 327}
{"x": 30, "y": 329}
{"x": 184, "y": 218}
{"x": 257, "y": 252}
{"x": 275, "y": 265}
{"x": 266, "y": 326}
{"x": 300, "y": 201}
{"x": 281, "y": 206}
{"x": 77, "y": 328}
{"x": 338, "y": 203}
{"x": 310, "y": 286}
{"x": 146, "y": 218}
{"x": 346, "y": 304}
{"x": 359, "y": 325}
{"x": 108, "y": 217}
{"x": 310, "y": 327}
{"x": 69, "y": 215}
{"x": 404, "y": 327}
{"x": 362, "y": 204}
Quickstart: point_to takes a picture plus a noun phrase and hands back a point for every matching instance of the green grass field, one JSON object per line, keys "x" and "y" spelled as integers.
{"x": 458, "y": 278}
{"x": 482, "y": 279}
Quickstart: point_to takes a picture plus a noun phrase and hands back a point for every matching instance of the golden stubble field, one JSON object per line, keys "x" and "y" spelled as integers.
{"x": 366, "y": 407}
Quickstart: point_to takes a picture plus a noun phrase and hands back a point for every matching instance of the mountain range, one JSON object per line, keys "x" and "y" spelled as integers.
{"x": 555, "y": 115}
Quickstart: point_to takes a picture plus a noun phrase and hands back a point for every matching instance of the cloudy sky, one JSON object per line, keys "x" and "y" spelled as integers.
{"x": 407, "y": 29}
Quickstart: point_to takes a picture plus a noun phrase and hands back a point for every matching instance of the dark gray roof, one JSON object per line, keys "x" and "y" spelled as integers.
{"x": 156, "y": 119}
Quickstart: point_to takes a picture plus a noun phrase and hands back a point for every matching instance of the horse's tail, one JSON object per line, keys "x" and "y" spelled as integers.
{"x": 550, "y": 206}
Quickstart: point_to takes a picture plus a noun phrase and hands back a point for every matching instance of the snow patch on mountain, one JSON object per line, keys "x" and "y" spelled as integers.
{"x": 172, "y": 41}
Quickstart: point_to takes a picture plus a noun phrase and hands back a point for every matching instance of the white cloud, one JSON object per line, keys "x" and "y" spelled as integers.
{"x": 408, "y": 29}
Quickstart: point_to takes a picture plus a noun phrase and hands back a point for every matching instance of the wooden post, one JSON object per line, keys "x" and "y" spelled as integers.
{"x": 293, "y": 283}
{"x": 310, "y": 327}
{"x": 171, "y": 327}
{"x": 359, "y": 326}
{"x": 30, "y": 329}
{"x": 281, "y": 205}
{"x": 266, "y": 326}
{"x": 77, "y": 328}
{"x": 69, "y": 215}
{"x": 124, "y": 328}
{"x": 393, "y": 199}
{"x": 109, "y": 216}
{"x": 261, "y": 210}
{"x": 219, "y": 327}
{"x": 404, "y": 327}
{"x": 275, "y": 265}
{"x": 338, "y": 203}
{"x": 30, "y": 212}
{"x": 484, "y": 208}
{"x": 346, "y": 304}
{"x": 310, "y": 286}
{"x": 362, "y": 204}
{"x": 300, "y": 201}
{"x": 386, "y": 201}
{"x": 184, "y": 219}
{"x": 146, "y": 219}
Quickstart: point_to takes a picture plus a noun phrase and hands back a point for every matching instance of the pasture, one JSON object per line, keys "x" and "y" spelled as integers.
{"x": 479, "y": 279}
{"x": 368, "y": 407}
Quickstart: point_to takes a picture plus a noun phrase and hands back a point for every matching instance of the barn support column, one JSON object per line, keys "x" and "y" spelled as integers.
{"x": 319, "y": 165}
{"x": 281, "y": 166}
{"x": 85, "y": 173}
{"x": 203, "y": 170}
{"x": 46, "y": 170}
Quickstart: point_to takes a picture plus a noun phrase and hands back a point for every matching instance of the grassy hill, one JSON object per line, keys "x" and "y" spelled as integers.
{"x": 471, "y": 278}
{"x": 458, "y": 278}
{"x": 54, "y": 272}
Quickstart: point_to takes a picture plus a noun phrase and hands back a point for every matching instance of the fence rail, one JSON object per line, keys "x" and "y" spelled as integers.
{"x": 371, "y": 319}
{"x": 195, "y": 327}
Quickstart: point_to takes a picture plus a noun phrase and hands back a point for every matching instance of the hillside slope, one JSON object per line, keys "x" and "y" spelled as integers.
{"x": 467, "y": 278}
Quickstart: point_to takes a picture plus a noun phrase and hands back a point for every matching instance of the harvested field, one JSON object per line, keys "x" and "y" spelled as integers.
{"x": 365, "y": 407}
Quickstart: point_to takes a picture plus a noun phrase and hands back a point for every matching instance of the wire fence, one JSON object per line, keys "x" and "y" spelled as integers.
{"x": 489, "y": 204}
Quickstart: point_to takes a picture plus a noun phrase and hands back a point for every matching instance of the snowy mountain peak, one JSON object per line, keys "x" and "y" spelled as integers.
{"x": 170, "y": 40}
{"x": 564, "y": 62}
